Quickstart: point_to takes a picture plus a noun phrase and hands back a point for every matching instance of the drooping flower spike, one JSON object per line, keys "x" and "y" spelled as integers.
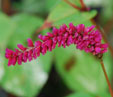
{"x": 85, "y": 38}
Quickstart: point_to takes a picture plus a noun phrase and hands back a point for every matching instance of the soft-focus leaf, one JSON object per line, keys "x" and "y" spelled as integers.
{"x": 28, "y": 79}
{"x": 33, "y": 6}
{"x": 107, "y": 11}
{"x": 50, "y": 4}
{"x": 76, "y": 18}
{"x": 6, "y": 29}
{"x": 105, "y": 8}
{"x": 36, "y": 6}
{"x": 105, "y": 94}
{"x": 61, "y": 11}
{"x": 1, "y": 67}
{"x": 84, "y": 72}
{"x": 26, "y": 25}
{"x": 64, "y": 13}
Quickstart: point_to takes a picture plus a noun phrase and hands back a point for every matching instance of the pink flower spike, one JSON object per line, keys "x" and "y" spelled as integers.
{"x": 104, "y": 45}
{"x": 40, "y": 37}
{"x": 38, "y": 51}
{"x": 25, "y": 56}
{"x": 103, "y": 51}
{"x": 55, "y": 40}
{"x": 97, "y": 39}
{"x": 50, "y": 34}
{"x": 97, "y": 49}
{"x": 38, "y": 43}
{"x": 14, "y": 61}
{"x": 89, "y": 29}
{"x": 8, "y": 50}
{"x": 20, "y": 46}
{"x": 44, "y": 38}
{"x": 34, "y": 54}
{"x": 85, "y": 38}
{"x": 80, "y": 28}
{"x": 55, "y": 31}
{"x": 30, "y": 54}
{"x": 72, "y": 28}
{"x": 30, "y": 42}
{"x": 8, "y": 53}
{"x": 10, "y": 62}
{"x": 20, "y": 59}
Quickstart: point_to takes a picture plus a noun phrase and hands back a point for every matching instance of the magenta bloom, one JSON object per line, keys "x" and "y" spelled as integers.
{"x": 85, "y": 38}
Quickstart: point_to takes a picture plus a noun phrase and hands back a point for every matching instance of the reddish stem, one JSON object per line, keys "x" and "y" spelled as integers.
{"x": 44, "y": 26}
{"x": 82, "y": 3}
{"x": 108, "y": 82}
{"x": 6, "y": 6}
{"x": 108, "y": 26}
{"x": 84, "y": 7}
{"x": 73, "y": 5}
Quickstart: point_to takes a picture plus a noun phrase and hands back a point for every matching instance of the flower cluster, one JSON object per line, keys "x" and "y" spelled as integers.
{"x": 85, "y": 38}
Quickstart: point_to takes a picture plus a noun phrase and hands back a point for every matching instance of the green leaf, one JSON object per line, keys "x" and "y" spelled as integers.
{"x": 76, "y": 18}
{"x": 33, "y": 6}
{"x": 1, "y": 68}
{"x": 28, "y": 79}
{"x": 64, "y": 13}
{"x": 50, "y": 4}
{"x": 80, "y": 94}
{"x": 26, "y": 25}
{"x": 6, "y": 29}
{"x": 105, "y": 94}
{"x": 36, "y": 6}
{"x": 61, "y": 11}
{"x": 81, "y": 71}
{"x": 107, "y": 11}
{"x": 85, "y": 94}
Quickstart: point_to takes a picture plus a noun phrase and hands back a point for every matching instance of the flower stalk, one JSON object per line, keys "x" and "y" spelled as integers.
{"x": 107, "y": 79}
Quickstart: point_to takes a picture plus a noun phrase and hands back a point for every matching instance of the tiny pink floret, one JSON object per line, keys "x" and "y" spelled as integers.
{"x": 85, "y": 38}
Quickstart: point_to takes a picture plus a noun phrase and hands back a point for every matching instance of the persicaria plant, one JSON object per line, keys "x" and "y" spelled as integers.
{"x": 84, "y": 38}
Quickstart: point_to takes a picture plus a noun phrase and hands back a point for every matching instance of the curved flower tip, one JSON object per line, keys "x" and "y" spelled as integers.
{"x": 85, "y": 38}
